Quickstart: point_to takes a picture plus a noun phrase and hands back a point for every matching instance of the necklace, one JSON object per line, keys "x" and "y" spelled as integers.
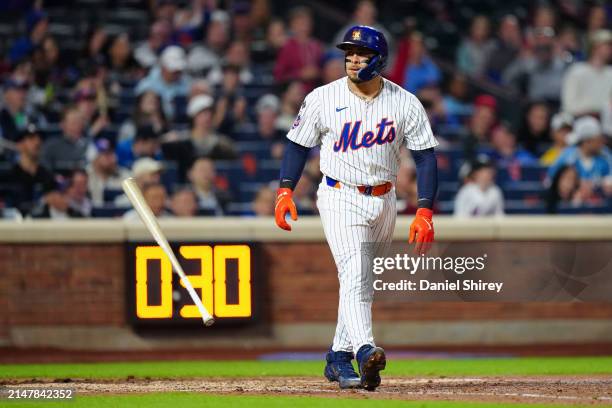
{"x": 368, "y": 98}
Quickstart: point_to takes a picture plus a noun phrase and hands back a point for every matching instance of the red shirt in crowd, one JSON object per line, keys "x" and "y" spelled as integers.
{"x": 293, "y": 57}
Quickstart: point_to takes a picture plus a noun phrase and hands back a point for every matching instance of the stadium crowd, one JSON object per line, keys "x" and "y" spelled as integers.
{"x": 196, "y": 108}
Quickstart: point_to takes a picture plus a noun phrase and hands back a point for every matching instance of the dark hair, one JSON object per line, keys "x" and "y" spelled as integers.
{"x": 140, "y": 118}
{"x": 552, "y": 195}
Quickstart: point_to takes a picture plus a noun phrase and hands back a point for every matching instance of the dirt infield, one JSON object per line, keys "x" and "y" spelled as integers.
{"x": 575, "y": 390}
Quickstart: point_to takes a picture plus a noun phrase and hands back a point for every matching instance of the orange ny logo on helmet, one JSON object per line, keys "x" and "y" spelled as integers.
{"x": 356, "y": 35}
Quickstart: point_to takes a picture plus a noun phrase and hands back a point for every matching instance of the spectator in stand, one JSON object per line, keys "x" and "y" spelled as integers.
{"x": 201, "y": 139}
{"x": 263, "y": 203}
{"x": 291, "y": 100}
{"x": 480, "y": 125}
{"x": 433, "y": 102}
{"x": 145, "y": 171}
{"x": 203, "y": 57}
{"x": 543, "y": 16}
{"x": 188, "y": 20}
{"x": 104, "y": 173}
{"x": 231, "y": 106}
{"x": 15, "y": 113}
{"x": 146, "y": 143}
{"x": 570, "y": 45}
{"x": 539, "y": 72}
{"x": 202, "y": 175}
{"x": 77, "y": 194}
{"x": 94, "y": 115}
{"x": 267, "y": 108}
{"x": 506, "y": 48}
{"x": 147, "y": 112}
{"x": 56, "y": 205}
{"x": 52, "y": 70}
{"x": 472, "y": 54}
{"x": 456, "y": 103}
{"x": 121, "y": 65}
{"x": 92, "y": 53}
{"x": 589, "y": 156}
{"x": 587, "y": 86}
{"x": 237, "y": 55}
{"x": 479, "y": 196}
{"x": 242, "y": 23}
{"x": 406, "y": 188}
{"x": 200, "y": 87}
{"x": 167, "y": 79}
{"x": 396, "y": 71}
{"x": 164, "y": 10}
{"x": 68, "y": 152}
{"x": 159, "y": 36}
{"x": 276, "y": 37}
{"x": 534, "y": 135}
{"x": 261, "y": 14}
{"x": 31, "y": 180}
{"x": 333, "y": 67}
{"x": 155, "y": 196}
{"x": 421, "y": 70}
{"x": 597, "y": 20}
{"x": 365, "y": 14}
{"x": 564, "y": 190}
{"x": 37, "y": 25}
{"x": 560, "y": 126}
{"x": 184, "y": 203}
{"x": 505, "y": 150}
{"x": 304, "y": 195}
{"x": 301, "y": 56}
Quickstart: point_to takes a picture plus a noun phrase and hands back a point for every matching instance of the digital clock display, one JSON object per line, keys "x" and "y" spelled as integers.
{"x": 221, "y": 274}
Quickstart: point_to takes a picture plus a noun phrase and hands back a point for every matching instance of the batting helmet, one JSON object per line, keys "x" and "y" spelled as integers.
{"x": 372, "y": 39}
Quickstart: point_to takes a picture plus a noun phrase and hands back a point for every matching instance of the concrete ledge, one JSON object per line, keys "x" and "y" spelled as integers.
{"x": 306, "y": 229}
{"x": 46, "y": 231}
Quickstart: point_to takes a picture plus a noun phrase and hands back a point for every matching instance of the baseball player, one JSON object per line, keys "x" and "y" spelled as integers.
{"x": 360, "y": 121}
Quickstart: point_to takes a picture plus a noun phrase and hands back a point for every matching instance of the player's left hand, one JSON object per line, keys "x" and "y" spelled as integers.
{"x": 284, "y": 204}
{"x": 422, "y": 230}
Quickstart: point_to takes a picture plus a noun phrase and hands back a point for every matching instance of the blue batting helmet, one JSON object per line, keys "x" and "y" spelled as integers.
{"x": 372, "y": 39}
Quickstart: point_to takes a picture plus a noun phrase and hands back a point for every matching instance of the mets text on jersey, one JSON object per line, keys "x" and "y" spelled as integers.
{"x": 348, "y": 137}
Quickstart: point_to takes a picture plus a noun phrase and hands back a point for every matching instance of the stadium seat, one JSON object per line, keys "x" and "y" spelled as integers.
{"x": 111, "y": 194}
{"x": 447, "y": 190}
{"x": 108, "y": 212}
{"x": 527, "y": 207}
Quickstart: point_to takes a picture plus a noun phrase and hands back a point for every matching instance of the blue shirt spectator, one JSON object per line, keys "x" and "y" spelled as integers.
{"x": 144, "y": 144}
{"x": 588, "y": 155}
{"x": 37, "y": 24}
{"x": 421, "y": 70}
{"x": 168, "y": 79}
{"x": 418, "y": 76}
{"x": 505, "y": 151}
{"x": 593, "y": 168}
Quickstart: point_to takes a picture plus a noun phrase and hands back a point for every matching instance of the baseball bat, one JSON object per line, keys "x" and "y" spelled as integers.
{"x": 148, "y": 218}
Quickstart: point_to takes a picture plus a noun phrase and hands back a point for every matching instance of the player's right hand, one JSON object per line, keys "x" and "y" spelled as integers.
{"x": 284, "y": 204}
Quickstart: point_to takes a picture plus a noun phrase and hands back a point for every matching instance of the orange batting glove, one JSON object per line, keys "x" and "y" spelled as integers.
{"x": 422, "y": 230}
{"x": 284, "y": 204}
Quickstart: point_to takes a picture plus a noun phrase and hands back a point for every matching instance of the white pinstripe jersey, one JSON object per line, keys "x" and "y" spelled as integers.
{"x": 360, "y": 140}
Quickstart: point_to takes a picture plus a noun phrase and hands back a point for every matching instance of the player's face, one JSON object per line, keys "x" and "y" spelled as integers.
{"x": 356, "y": 58}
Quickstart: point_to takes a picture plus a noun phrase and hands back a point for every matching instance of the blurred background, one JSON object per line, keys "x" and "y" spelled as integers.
{"x": 194, "y": 99}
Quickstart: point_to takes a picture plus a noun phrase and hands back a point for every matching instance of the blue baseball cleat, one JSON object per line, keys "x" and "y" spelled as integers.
{"x": 339, "y": 368}
{"x": 371, "y": 361}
